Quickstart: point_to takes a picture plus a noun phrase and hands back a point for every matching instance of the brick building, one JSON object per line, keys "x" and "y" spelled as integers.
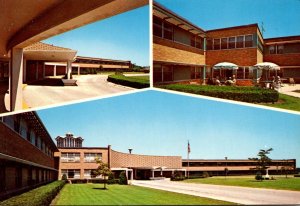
{"x": 26, "y": 154}
{"x": 217, "y": 167}
{"x": 183, "y": 51}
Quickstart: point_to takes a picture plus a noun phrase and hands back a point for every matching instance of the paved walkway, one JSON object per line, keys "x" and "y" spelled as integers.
{"x": 288, "y": 90}
{"x": 88, "y": 86}
{"x": 241, "y": 195}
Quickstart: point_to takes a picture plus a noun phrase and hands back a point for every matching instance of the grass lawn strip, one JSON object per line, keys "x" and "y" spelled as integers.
{"x": 286, "y": 102}
{"x": 93, "y": 194}
{"x": 281, "y": 183}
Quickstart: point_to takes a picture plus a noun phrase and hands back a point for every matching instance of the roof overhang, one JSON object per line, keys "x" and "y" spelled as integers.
{"x": 28, "y": 21}
{"x": 50, "y": 55}
{"x": 169, "y": 16}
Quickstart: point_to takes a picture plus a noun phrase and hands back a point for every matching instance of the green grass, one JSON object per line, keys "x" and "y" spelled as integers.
{"x": 286, "y": 102}
{"x": 138, "y": 82}
{"x": 281, "y": 183}
{"x": 113, "y": 72}
{"x": 93, "y": 194}
{"x": 140, "y": 77}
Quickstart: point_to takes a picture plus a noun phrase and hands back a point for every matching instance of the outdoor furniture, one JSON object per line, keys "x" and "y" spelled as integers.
{"x": 292, "y": 81}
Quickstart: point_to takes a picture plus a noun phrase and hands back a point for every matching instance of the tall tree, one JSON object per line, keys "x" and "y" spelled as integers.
{"x": 263, "y": 160}
{"x": 102, "y": 170}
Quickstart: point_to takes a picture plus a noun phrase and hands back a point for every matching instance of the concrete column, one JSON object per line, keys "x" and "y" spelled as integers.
{"x": 152, "y": 173}
{"x": 131, "y": 175}
{"x": 69, "y": 71}
{"x": 78, "y": 70}
{"x": 244, "y": 75}
{"x": 54, "y": 71}
{"x": 16, "y": 77}
{"x": 127, "y": 174}
{"x": 24, "y": 70}
{"x": 204, "y": 75}
{"x": 37, "y": 70}
{"x": 44, "y": 70}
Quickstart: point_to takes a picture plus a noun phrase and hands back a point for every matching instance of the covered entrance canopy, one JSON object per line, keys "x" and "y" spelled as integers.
{"x": 26, "y": 22}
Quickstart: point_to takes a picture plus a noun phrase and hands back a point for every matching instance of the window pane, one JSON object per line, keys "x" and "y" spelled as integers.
{"x": 216, "y": 44}
{"x": 272, "y": 49}
{"x": 224, "y": 43}
{"x": 199, "y": 43}
{"x": 168, "y": 73}
{"x": 157, "y": 26}
{"x": 280, "y": 49}
{"x": 208, "y": 44}
{"x": 231, "y": 43}
{"x": 240, "y": 42}
{"x": 157, "y": 73}
{"x": 168, "y": 31}
{"x": 249, "y": 41}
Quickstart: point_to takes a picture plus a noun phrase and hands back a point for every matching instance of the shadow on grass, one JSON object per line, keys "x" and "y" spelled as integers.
{"x": 97, "y": 188}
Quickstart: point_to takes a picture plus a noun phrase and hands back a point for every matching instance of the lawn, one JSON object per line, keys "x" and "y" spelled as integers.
{"x": 93, "y": 194}
{"x": 139, "y": 77}
{"x": 281, "y": 182}
{"x": 286, "y": 102}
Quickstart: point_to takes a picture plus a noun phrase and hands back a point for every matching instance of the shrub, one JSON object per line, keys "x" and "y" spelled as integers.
{"x": 177, "y": 176}
{"x": 123, "y": 178}
{"x": 37, "y": 197}
{"x": 258, "y": 176}
{"x": 205, "y": 174}
{"x": 240, "y": 93}
{"x": 64, "y": 177}
{"x": 111, "y": 179}
{"x": 128, "y": 81}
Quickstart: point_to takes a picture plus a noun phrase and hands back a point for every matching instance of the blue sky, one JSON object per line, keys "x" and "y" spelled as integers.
{"x": 159, "y": 123}
{"x": 280, "y": 17}
{"x": 122, "y": 37}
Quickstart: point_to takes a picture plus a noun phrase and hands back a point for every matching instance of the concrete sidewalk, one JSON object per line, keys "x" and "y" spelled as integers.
{"x": 288, "y": 90}
{"x": 241, "y": 195}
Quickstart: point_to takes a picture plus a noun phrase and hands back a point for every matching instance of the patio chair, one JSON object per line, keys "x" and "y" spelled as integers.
{"x": 291, "y": 81}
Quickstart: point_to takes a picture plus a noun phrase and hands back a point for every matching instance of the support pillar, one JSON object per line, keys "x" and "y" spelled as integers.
{"x": 69, "y": 69}
{"x": 16, "y": 77}
{"x": 54, "y": 71}
{"x": 44, "y": 70}
{"x": 204, "y": 75}
{"x": 131, "y": 175}
{"x": 37, "y": 70}
{"x": 24, "y": 70}
{"x": 152, "y": 173}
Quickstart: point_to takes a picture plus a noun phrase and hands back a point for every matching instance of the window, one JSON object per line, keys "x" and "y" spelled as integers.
{"x": 216, "y": 44}
{"x": 70, "y": 157}
{"x": 32, "y": 137}
{"x": 168, "y": 31}
{"x": 209, "y": 44}
{"x": 272, "y": 49}
{"x": 71, "y": 173}
{"x": 240, "y": 42}
{"x": 39, "y": 143}
{"x": 199, "y": 42}
{"x": 224, "y": 43}
{"x": 23, "y": 129}
{"x": 167, "y": 73}
{"x": 193, "y": 41}
{"x": 9, "y": 121}
{"x": 157, "y": 26}
{"x": 280, "y": 49}
{"x": 91, "y": 157}
{"x": 231, "y": 44}
{"x": 87, "y": 174}
{"x": 157, "y": 73}
{"x": 249, "y": 40}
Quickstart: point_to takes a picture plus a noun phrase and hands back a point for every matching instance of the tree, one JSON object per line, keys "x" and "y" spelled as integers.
{"x": 263, "y": 160}
{"x": 102, "y": 170}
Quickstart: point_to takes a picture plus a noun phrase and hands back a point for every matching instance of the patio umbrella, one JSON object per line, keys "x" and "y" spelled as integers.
{"x": 267, "y": 66}
{"x": 225, "y": 65}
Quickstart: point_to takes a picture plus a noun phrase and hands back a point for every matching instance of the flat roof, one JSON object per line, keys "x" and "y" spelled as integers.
{"x": 100, "y": 59}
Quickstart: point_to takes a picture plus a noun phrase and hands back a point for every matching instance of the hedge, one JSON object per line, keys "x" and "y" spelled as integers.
{"x": 238, "y": 93}
{"x": 37, "y": 197}
{"x": 128, "y": 81}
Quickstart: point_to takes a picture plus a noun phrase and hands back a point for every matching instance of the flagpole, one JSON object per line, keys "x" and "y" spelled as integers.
{"x": 188, "y": 159}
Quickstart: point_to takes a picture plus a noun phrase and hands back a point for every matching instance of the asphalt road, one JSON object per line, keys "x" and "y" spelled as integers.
{"x": 89, "y": 86}
{"x": 241, "y": 195}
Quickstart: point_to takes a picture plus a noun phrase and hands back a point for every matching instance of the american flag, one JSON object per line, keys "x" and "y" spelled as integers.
{"x": 189, "y": 147}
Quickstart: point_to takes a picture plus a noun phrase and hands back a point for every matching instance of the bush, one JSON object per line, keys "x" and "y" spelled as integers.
{"x": 129, "y": 81}
{"x": 258, "y": 176}
{"x": 205, "y": 175}
{"x": 240, "y": 93}
{"x": 123, "y": 178}
{"x": 111, "y": 179}
{"x": 64, "y": 177}
{"x": 177, "y": 176}
{"x": 37, "y": 197}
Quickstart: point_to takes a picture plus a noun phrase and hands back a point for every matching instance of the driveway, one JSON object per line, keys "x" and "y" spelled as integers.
{"x": 88, "y": 86}
{"x": 289, "y": 90}
{"x": 241, "y": 195}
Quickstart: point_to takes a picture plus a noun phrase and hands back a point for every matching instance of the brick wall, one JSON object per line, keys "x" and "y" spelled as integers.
{"x": 241, "y": 57}
{"x": 283, "y": 59}
{"x": 169, "y": 54}
{"x": 81, "y": 165}
{"x": 119, "y": 159}
{"x": 14, "y": 145}
{"x": 234, "y": 31}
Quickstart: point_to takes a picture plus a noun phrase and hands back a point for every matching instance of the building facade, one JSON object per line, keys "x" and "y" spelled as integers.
{"x": 216, "y": 167}
{"x": 26, "y": 154}
{"x": 183, "y": 52}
